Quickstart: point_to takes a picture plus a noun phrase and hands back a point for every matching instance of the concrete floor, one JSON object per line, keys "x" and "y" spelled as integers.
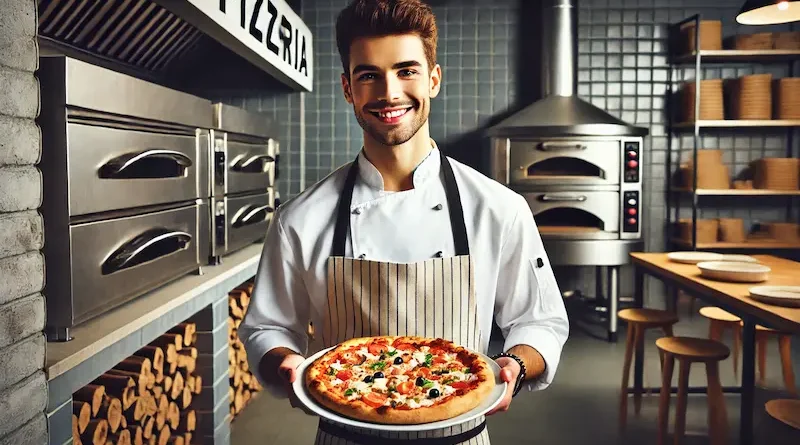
{"x": 579, "y": 408}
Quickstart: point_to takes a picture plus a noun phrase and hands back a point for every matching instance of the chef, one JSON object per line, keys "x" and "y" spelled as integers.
{"x": 403, "y": 240}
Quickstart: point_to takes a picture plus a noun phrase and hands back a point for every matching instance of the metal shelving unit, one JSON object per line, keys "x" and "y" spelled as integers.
{"x": 700, "y": 58}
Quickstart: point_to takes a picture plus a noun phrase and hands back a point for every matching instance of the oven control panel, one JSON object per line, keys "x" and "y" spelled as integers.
{"x": 631, "y": 161}
{"x": 630, "y": 211}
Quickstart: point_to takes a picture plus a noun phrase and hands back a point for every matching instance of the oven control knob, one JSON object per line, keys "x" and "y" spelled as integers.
{"x": 632, "y": 202}
{"x": 631, "y": 154}
{"x": 631, "y": 221}
{"x": 632, "y": 212}
{"x": 632, "y": 164}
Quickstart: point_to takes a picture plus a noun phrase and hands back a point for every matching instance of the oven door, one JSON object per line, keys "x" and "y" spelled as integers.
{"x": 576, "y": 215}
{"x": 248, "y": 218}
{"x": 112, "y": 169}
{"x": 251, "y": 167}
{"x": 116, "y": 260}
{"x": 564, "y": 162}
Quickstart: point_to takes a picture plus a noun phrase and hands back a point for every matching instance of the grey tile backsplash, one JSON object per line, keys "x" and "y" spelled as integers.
{"x": 622, "y": 67}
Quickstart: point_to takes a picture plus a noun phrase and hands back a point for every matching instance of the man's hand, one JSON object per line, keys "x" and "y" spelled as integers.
{"x": 509, "y": 370}
{"x": 287, "y": 371}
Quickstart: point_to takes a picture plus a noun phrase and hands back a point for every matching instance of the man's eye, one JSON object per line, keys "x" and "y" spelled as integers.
{"x": 366, "y": 76}
{"x": 406, "y": 73}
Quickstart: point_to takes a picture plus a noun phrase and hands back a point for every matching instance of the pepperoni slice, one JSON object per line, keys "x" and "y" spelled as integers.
{"x": 344, "y": 375}
{"x": 377, "y": 348}
{"x": 405, "y": 347}
{"x": 374, "y": 399}
{"x": 460, "y": 385}
{"x": 438, "y": 360}
{"x": 425, "y": 372}
{"x": 405, "y": 387}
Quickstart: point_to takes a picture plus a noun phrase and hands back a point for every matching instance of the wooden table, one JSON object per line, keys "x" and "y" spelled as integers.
{"x": 734, "y": 298}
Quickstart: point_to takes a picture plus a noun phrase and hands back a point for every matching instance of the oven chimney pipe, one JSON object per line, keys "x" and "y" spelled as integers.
{"x": 559, "y": 48}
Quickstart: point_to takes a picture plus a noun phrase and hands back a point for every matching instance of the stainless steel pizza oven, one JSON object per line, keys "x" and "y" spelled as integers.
{"x": 578, "y": 167}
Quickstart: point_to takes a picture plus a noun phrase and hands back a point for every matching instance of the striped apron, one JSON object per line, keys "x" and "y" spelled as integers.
{"x": 430, "y": 298}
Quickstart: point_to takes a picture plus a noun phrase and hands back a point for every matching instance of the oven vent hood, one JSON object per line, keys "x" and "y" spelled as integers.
{"x": 184, "y": 43}
{"x": 561, "y": 112}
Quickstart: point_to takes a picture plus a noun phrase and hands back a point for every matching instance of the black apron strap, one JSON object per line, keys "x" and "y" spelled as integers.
{"x": 457, "y": 223}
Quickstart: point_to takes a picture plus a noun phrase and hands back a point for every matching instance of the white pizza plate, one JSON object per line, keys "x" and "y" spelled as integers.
{"x": 738, "y": 258}
{"x": 492, "y": 400}
{"x": 694, "y": 257}
{"x": 734, "y": 271}
{"x": 778, "y": 295}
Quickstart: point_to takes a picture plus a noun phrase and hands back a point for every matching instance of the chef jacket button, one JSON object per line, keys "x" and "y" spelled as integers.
{"x": 357, "y": 210}
{"x": 539, "y": 263}
{"x": 437, "y": 206}
{"x": 439, "y": 254}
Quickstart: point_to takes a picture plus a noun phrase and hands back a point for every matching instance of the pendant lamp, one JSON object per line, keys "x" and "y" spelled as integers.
{"x": 769, "y": 12}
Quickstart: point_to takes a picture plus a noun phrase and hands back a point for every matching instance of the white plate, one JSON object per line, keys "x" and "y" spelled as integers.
{"x": 777, "y": 295}
{"x": 694, "y": 257}
{"x": 492, "y": 400}
{"x": 734, "y": 271}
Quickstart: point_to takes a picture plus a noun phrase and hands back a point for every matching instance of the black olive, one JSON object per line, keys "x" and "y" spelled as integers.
{"x": 398, "y": 360}
{"x": 434, "y": 393}
{"x": 420, "y": 381}
{"x": 368, "y": 379}
{"x": 377, "y": 375}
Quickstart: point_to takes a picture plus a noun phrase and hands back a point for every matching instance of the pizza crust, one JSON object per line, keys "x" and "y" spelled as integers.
{"x": 456, "y": 404}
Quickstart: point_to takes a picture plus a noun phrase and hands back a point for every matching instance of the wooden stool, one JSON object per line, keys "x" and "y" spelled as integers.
{"x": 639, "y": 320}
{"x": 786, "y": 411}
{"x": 721, "y": 320}
{"x": 688, "y": 350}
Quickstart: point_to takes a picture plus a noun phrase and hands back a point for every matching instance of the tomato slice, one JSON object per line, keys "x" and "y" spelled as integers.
{"x": 405, "y": 387}
{"x": 434, "y": 377}
{"x": 374, "y": 399}
{"x": 377, "y": 348}
{"x": 344, "y": 374}
{"x": 425, "y": 372}
{"x": 438, "y": 360}
{"x": 459, "y": 385}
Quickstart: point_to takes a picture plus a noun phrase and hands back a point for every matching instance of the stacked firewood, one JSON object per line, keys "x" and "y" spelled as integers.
{"x": 243, "y": 383}
{"x": 144, "y": 399}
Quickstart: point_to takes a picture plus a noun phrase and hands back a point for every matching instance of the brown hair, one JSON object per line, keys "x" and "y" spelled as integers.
{"x": 378, "y": 18}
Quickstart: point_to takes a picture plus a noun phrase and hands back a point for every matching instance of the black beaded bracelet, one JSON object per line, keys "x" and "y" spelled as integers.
{"x": 522, "y": 370}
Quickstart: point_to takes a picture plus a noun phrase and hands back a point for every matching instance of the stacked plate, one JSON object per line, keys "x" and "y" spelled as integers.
{"x": 734, "y": 271}
{"x": 692, "y": 257}
{"x": 788, "y": 296}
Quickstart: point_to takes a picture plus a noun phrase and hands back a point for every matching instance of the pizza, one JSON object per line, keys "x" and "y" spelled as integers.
{"x": 399, "y": 379}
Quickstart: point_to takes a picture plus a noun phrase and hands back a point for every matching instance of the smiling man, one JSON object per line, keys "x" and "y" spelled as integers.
{"x": 403, "y": 240}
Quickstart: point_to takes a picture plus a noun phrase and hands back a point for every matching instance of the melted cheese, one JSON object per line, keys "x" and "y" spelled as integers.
{"x": 419, "y": 357}
{"x": 337, "y": 366}
{"x": 380, "y": 384}
{"x": 336, "y": 382}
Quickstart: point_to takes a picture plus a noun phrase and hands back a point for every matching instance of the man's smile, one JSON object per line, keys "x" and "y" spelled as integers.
{"x": 391, "y": 115}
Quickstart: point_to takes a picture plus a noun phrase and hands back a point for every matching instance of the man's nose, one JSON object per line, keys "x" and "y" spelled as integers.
{"x": 391, "y": 89}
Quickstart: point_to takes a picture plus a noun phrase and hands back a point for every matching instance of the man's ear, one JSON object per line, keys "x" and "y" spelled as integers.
{"x": 436, "y": 80}
{"x": 348, "y": 95}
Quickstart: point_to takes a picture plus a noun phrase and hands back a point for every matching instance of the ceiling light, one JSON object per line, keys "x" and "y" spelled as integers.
{"x": 769, "y": 12}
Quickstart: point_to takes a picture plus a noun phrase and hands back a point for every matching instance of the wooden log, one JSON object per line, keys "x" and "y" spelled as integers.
{"x": 136, "y": 364}
{"x": 176, "y": 440}
{"x": 76, "y": 435}
{"x": 151, "y": 380}
{"x": 157, "y": 391}
{"x": 139, "y": 379}
{"x": 187, "y": 437}
{"x": 153, "y": 440}
{"x": 234, "y": 310}
{"x": 187, "y": 363}
{"x": 188, "y": 421}
{"x": 137, "y": 434}
{"x": 129, "y": 396}
{"x": 177, "y": 387}
{"x": 163, "y": 435}
{"x": 152, "y": 405}
{"x": 241, "y": 298}
{"x": 169, "y": 339}
{"x": 92, "y": 394}
{"x": 198, "y": 385}
{"x": 136, "y": 411}
{"x": 111, "y": 410}
{"x": 161, "y": 414}
{"x": 173, "y": 415}
{"x": 186, "y": 399}
{"x": 123, "y": 422}
{"x": 148, "y": 425}
{"x": 186, "y": 330}
{"x": 120, "y": 386}
{"x": 170, "y": 355}
{"x": 246, "y": 395}
{"x": 96, "y": 433}
{"x": 123, "y": 438}
{"x": 238, "y": 400}
{"x": 155, "y": 354}
{"x": 83, "y": 413}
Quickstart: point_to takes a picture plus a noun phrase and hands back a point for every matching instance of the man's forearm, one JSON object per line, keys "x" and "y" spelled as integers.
{"x": 534, "y": 362}
{"x": 268, "y": 366}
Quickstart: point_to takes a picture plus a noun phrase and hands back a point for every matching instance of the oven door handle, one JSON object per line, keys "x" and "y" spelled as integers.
{"x": 246, "y": 216}
{"x": 119, "y": 166}
{"x": 240, "y": 164}
{"x": 561, "y": 146}
{"x": 139, "y": 249}
{"x": 562, "y": 198}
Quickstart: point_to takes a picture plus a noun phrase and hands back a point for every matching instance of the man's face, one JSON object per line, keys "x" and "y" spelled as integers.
{"x": 390, "y": 86}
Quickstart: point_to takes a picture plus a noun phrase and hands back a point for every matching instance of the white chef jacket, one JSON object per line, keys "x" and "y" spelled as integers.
{"x": 407, "y": 226}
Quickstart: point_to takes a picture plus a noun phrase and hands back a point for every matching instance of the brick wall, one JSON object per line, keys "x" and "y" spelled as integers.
{"x": 23, "y": 387}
